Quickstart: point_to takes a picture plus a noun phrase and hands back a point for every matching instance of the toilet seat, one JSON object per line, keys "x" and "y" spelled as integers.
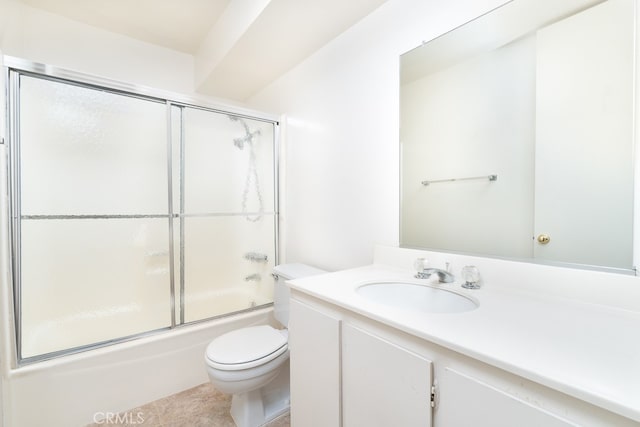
{"x": 246, "y": 348}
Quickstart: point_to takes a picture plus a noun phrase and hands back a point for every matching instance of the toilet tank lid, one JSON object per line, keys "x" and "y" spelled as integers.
{"x": 296, "y": 270}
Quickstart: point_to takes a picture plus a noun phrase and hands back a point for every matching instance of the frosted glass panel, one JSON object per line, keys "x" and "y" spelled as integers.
{"x": 87, "y": 281}
{"x": 113, "y": 194}
{"x": 218, "y": 277}
{"x": 228, "y": 167}
{"x": 86, "y": 151}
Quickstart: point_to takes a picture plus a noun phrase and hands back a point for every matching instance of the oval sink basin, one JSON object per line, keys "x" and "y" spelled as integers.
{"x": 415, "y": 296}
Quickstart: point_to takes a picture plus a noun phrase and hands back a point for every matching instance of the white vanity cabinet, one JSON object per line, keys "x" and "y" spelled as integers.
{"x": 343, "y": 375}
{"x": 469, "y": 401}
{"x": 314, "y": 345}
{"x": 352, "y": 371}
{"x": 383, "y": 384}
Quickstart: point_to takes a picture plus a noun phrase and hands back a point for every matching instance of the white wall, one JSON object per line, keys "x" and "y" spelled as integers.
{"x": 342, "y": 131}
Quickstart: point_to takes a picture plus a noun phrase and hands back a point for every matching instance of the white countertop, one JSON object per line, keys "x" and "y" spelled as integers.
{"x": 588, "y": 351}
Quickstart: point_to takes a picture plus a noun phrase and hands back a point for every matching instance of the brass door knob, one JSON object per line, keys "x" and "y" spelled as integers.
{"x": 543, "y": 239}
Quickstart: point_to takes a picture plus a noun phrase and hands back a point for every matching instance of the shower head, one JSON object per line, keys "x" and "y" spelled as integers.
{"x": 239, "y": 142}
{"x": 248, "y": 137}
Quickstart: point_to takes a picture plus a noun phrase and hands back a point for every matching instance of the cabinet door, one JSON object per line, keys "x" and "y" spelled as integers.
{"x": 383, "y": 384}
{"x": 314, "y": 344}
{"x": 466, "y": 401}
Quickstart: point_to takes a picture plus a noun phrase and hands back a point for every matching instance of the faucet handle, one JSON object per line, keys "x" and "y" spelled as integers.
{"x": 420, "y": 264}
{"x": 471, "y": 276}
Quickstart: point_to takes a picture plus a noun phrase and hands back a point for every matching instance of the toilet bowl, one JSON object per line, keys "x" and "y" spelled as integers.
{"x": 252, "y": 363}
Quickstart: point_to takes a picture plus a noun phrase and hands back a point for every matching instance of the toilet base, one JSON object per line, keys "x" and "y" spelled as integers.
{"x": 258, "y": 407}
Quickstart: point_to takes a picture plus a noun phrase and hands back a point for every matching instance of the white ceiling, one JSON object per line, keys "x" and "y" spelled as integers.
{"x": 177, "y": 24}
{"x": 239, "y": 46}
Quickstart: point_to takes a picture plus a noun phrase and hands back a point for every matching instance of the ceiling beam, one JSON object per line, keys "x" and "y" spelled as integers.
{"x": 275, "y": 39}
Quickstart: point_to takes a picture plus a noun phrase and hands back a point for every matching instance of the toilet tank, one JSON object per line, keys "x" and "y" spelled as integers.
{"x": 281, "y": 292}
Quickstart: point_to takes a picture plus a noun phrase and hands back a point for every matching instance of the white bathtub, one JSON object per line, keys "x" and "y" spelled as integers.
{"x": 70, "y": 390}
{"x": 90, "y": 326}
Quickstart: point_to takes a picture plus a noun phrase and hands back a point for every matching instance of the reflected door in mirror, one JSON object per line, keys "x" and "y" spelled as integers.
{"x": 584, "y": 137}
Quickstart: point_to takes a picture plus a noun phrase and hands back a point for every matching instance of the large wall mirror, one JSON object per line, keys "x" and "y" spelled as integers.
{"x": 517, "y": 135}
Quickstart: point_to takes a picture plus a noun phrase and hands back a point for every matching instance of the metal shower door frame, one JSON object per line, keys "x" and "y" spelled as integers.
{"x": 14, "y": 68}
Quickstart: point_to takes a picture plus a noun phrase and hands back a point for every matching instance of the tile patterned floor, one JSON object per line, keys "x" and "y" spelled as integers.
{"x": 201, "y": 406}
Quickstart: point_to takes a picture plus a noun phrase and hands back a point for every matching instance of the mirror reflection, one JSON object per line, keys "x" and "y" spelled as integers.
{"x": 517, "y": 134}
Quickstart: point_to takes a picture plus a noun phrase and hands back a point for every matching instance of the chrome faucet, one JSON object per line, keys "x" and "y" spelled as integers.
{"x": 444, "y": 276}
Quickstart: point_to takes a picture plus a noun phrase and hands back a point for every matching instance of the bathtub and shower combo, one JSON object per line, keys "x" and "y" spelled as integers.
{"x": 138, "y": 225}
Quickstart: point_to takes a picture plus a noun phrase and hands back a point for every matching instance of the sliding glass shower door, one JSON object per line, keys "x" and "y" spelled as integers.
{"x": 93, "y": 216}
{"x": 228, "y": 213}
{"x": 132, "y": 214}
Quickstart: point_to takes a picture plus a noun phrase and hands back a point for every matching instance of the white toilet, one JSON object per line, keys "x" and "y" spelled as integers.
{"x": 253, "y": 363}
